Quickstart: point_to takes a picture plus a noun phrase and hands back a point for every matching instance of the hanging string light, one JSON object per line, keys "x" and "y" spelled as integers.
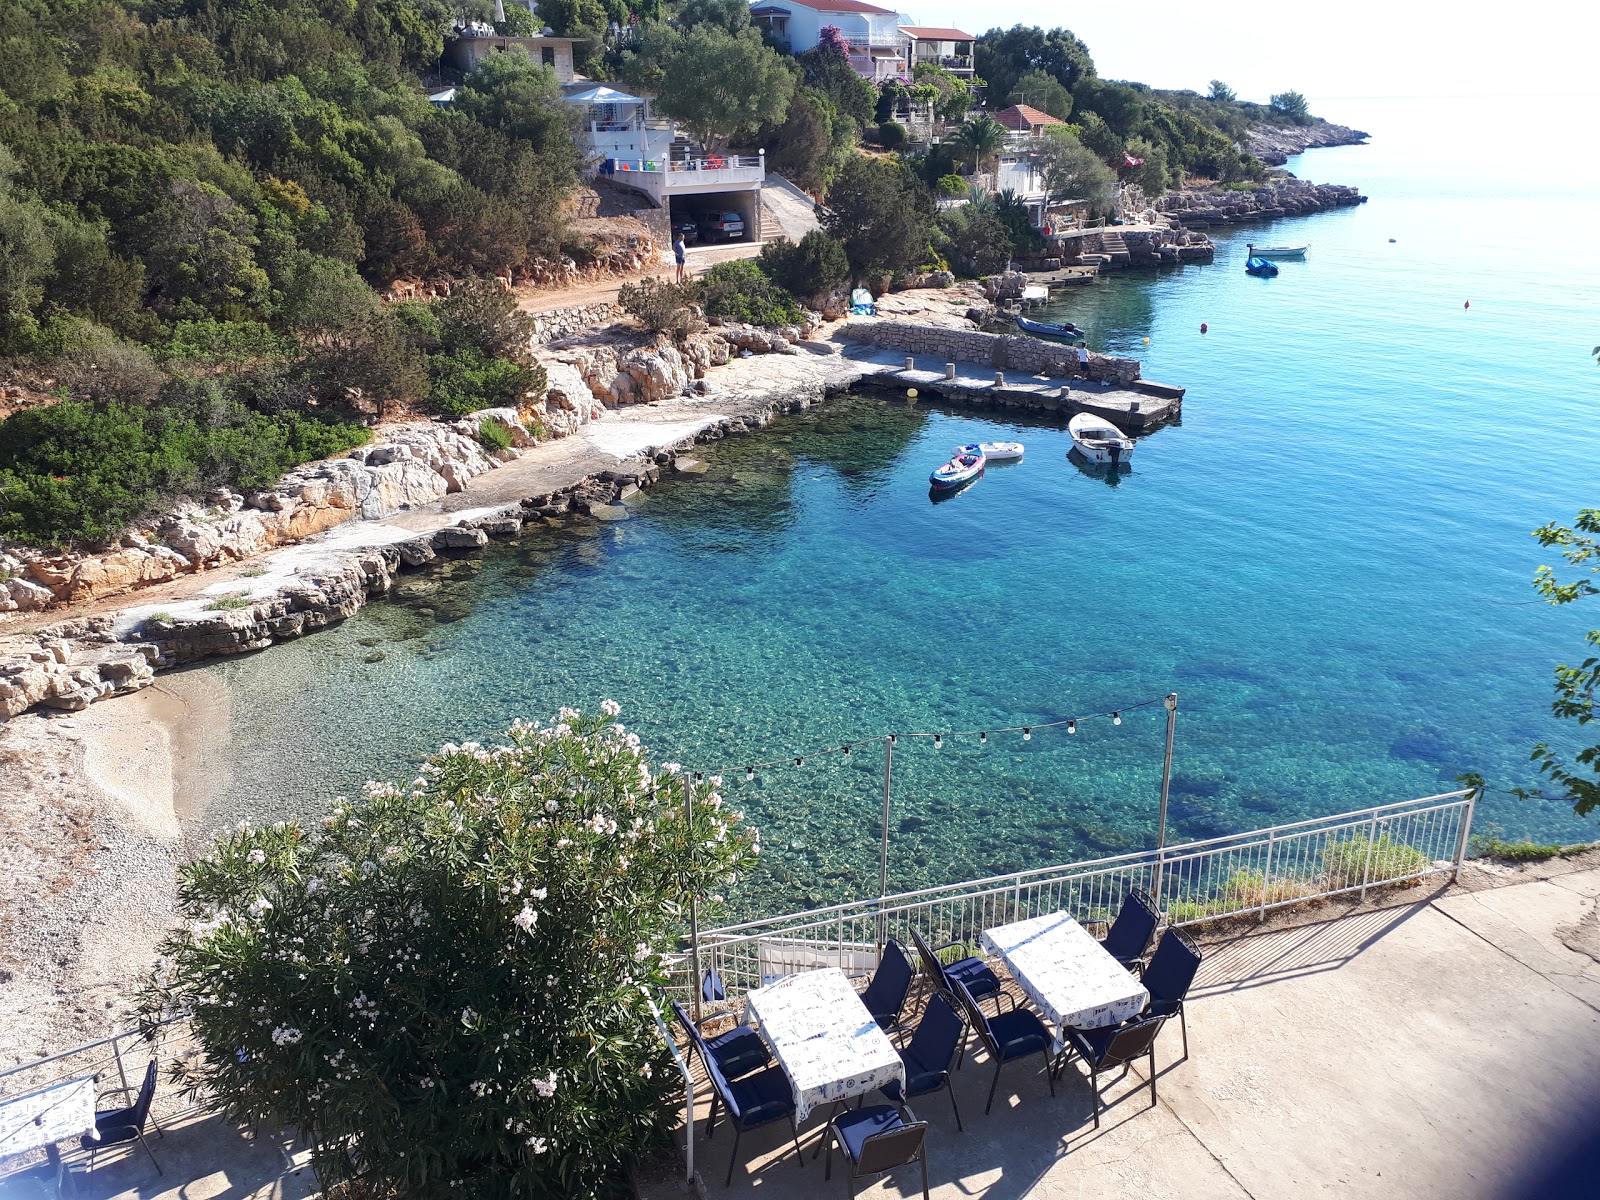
{"x": 1116, "y": 718}
{"x": 749, "y": 774}
{"x": 983, "y": 738}
{"x": 1072, "y": 727}
{"x": 1027, "y": 734}
{"x": 938, "y": 741}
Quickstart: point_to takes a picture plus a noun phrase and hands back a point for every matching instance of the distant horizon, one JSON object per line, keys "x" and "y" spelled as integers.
{"x": 1361, "y": 52}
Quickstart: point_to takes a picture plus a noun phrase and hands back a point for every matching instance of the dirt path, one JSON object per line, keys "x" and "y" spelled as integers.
{"x": 701, "y": 259}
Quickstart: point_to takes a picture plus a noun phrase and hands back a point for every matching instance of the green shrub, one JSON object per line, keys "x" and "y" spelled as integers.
{"x": 466, "y": 379}
{"x": 493, "y": 436}
{"x": 891, "y": 135}
{"x": 221, "y": 342}
{"x": 951, "y": 185}
{"x": 811, "y": 267}
{"x": 230, "y": 602}
{"x": 1525, "y": 851}
{"x": 444, "y": 988}
{"x": 741, "y": 291}
{"x": 1346, "y": 860}
{"x": 75, "y": 471}
{"x": 662, "y": 307}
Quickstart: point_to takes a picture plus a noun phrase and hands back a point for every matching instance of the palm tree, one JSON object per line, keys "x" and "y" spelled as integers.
{"x": 980, "y": 139}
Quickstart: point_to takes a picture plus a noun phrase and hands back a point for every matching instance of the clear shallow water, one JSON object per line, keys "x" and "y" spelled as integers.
{"x": 1329, "y": 561}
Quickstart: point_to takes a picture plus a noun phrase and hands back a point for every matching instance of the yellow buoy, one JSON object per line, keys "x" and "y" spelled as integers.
{"x": 1147, "y": 341}
{"x": 912, "y": 393}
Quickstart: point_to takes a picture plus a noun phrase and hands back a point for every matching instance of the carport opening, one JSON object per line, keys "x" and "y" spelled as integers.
{"x": 716, "y": 218}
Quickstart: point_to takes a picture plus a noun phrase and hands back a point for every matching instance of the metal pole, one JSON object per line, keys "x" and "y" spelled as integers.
{"x": 1464, "y": 833}
{"x": 694, "y": 908}
{"x": 883, "y": 850}
{"x": 1166, "y": 788}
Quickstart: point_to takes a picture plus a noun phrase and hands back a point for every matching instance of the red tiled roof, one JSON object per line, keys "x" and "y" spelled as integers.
{"x": 1024, "y": 116}
{"x": 855, "y": 6}
{"x": 933, "y": 34}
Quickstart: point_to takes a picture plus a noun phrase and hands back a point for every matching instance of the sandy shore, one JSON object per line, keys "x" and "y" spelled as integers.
{"x": 90, "y": 842}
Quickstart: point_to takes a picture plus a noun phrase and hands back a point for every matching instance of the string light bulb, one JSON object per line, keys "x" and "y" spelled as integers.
{"x": 1072, "y": 727}
{"x": 1116, "y": 718}
{"x": 847, "y": 751}
{"x": 749, "y": 774}
{"x": 984, "y": 738}
{"x": 799, "y": 762}
{"x": 938, "y": 741}
{"x": 1027, "y": 734}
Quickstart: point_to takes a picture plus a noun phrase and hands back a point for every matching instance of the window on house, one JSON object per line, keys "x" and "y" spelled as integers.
{"x": 547, "y": 55}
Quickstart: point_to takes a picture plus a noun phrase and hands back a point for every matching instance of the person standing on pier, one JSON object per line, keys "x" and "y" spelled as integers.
{"x": 680, "y": 253}
{"x": 1083, "y": 359}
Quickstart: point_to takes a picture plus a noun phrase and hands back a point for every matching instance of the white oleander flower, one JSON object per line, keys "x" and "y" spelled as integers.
{"x": 610, "y": 707}
{"x": 257, "y": 857}
{"x": 546, "y": 1087}
{"x": 260, "y": 905}
{"x": 525, "y": 919}
{"x": 539, "y": 1144}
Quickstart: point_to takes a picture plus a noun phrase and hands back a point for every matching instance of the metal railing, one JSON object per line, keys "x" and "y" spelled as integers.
{"x": 1194, "y": 882}
{"x": 710, "y": 162}
{"x": 679, "y": 1056}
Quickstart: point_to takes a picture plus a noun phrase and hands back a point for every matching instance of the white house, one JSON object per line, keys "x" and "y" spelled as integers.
{"x": 878, "y": 48}
{"x": 941, "y": 46}
{"x": 623, "y": 141}
{"x": 472, "y": 42}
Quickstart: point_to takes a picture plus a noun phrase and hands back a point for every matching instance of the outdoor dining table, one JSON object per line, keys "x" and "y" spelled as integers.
{"x": 43, "y": 1118}
{"x": 1066, "y": 973}
{"x": 824, "y": 1038}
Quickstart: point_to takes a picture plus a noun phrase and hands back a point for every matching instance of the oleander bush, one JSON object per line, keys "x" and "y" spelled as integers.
{"x": 812, "y": 267}
{"x": 662, "y": 307}
{"x": 1347, "y": 861}
{"x": 444, "y": 988}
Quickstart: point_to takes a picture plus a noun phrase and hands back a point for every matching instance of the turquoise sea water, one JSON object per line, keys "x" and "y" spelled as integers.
{"x": 1328, "y": 560}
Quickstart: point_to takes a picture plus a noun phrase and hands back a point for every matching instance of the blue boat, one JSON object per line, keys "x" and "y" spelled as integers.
{"x": 1260, "y": 266}
{"x": 1052, "y": 329}
{"x": 957, "y": 473}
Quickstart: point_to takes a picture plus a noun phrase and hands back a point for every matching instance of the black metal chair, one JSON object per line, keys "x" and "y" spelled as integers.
{"x": 1115, "y": 1046}
{"x": 939, "y": 1036}
{"x": 1169, "y": 976}
{"x": 885, "y": 997}
{"x": 1130, "y": 934}
{"x": 877, "y": 1139}
{"x": 117, "y": 1125}
{"x": 737, "y": 1052}
{"x": 972, "y": 972}
{"x": 1008, "y": 1037}
{"x": 752, "y": 1102}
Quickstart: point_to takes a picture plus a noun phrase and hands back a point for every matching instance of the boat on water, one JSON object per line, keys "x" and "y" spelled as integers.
{"x": 1054, "y": 329}
{"x": 1264, "y": 267}
{"x": 1099, "y": 441}
{"x": 994, "y": 452}
{"x": 1278, "y": 251}
{"x": 957, "y": 473}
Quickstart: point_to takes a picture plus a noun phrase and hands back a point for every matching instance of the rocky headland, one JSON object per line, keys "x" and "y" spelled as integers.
{"x": 1276, "y": 144}
{"x": 1281, "y": 196}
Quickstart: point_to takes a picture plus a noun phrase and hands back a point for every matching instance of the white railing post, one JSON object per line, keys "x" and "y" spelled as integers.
{"x": 1372, "y": 841}
{"x": 1464, "y": 833}
{"x": 1266, "y": 876}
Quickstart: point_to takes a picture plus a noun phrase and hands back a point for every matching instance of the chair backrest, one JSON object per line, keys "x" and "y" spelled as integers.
{"x": 1135, "y": 925}
{"x": 690, "y": 1027}
{"x": 1172, "y": 968}
{"x": 147, "y": 1093}
{"x": 1132, "y": 1040}
{"x": 711, "y": 987}
{"x": 885, "y": 1151}
{"x": 938, "y": 1034}
{"x": 931, "y": 966}
{"x": 720, "y": 1082}
{"x": 891, "y": 982}
{"x": 975, "y": 1016}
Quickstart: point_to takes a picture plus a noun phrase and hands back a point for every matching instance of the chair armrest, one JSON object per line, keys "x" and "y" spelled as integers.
{"x": 122, "y": 1091}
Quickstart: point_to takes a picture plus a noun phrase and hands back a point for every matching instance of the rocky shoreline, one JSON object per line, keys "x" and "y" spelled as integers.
{"x": 1283, "y": 196}
{"x": 1276, "y": 144}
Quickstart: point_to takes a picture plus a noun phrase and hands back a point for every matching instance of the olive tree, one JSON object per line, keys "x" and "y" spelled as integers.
{"x": 445, "y": 987}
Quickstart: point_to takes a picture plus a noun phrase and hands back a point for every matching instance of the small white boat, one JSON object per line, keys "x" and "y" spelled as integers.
{"x": 1278, "y": 251}
{"x": 1098, "y": 440}
{"x": 995, "y": 452}
{"x": 957, "y": 473}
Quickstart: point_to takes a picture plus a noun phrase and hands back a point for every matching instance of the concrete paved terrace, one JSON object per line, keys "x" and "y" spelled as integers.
{"x": 1435, "y": 1047}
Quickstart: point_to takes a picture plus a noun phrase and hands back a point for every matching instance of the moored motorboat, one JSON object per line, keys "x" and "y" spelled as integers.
{"x": 957, "y": 473}
{"x": 994, "y": 452}
{"x": 1260, "y": 266}
{"x": 1277, "y": 251}
{"x": 1098, "y": 440}
{"x": 1056, "y": 329}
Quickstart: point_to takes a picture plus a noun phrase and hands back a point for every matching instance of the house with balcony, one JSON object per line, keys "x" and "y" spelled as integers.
{"x": 941, "y": 46}
{"x": 627, "y": 144}
{"x": 878, "y": 48}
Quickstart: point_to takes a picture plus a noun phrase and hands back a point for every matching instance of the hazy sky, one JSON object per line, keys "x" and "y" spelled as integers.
{"x": 1355, "y": 48}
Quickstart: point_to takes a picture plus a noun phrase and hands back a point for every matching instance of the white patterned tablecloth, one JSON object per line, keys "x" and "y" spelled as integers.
{"x": 46, "y": 1117}
{"x": 1068, "y": 974}
{"x": 824, "y": 1038}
